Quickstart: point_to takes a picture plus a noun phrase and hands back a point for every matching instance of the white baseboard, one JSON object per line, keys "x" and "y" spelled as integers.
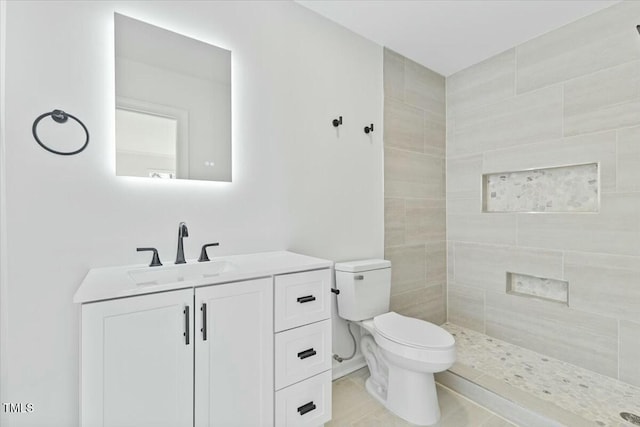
{"x": 341, "y": 369}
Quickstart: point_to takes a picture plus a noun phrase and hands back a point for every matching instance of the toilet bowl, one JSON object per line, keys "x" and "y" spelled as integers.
{"x": 402, "y": 353}
{"x": 412, "y": 350}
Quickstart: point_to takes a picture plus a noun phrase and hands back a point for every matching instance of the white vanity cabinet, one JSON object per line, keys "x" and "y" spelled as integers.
{"x": 303, "y": 348}
{"x": 244, "y": 348}
{"x": 234, "y": 354}
{"x": 137, "y": 361}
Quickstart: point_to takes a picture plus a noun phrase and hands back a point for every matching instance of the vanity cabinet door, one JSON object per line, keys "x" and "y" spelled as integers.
{"x": 137, "y": 361}
{"x": 234, "y": 354}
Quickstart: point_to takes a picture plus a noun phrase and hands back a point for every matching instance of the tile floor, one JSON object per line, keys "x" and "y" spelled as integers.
{"x": 354, "y": 407}
{"x": 510, "y": 369}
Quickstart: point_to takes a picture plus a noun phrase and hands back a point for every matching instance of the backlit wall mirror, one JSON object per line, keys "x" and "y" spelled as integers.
{"x": 173, "y": 104}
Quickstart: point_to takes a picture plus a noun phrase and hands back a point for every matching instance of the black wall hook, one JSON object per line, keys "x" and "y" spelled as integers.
{"x": 337, "y": 122}
{"x": 368, "y": 129}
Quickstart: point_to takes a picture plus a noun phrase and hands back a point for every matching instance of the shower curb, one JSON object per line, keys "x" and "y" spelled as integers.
{"x": 508, "y": 402}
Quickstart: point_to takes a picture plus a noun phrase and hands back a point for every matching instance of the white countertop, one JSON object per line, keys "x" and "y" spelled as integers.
{"x": 117, "y": 282}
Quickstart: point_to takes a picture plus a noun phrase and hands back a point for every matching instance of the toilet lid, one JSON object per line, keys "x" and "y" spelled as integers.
{"x": 413, "y": 332}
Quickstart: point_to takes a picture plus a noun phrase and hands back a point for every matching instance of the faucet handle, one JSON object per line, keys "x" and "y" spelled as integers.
{"x": 203, "y": 252}
{"x": 155, "y": 261}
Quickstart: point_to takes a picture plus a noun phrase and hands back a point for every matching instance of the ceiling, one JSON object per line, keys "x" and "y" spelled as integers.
{"x": 448, "y": 36}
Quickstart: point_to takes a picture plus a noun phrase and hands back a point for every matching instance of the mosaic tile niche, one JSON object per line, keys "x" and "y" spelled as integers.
{"x": 538, "y": 287}
{"x": 558, "y": 189}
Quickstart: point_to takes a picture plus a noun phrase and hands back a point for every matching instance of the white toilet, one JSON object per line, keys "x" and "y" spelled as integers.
{"x": 402, "y": 353}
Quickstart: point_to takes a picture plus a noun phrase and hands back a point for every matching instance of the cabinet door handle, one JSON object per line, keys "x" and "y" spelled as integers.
{"x": 308, "y": 298}
{"x": 307, "y": 407}
{"x": 359, "y": 277}
{"x": 307, "y": 353}
{"x": 186, "y": 325}
{"x": 203, "y": 309}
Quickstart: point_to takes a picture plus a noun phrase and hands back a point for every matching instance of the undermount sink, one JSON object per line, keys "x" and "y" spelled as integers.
{"x": 104, "y": 283}
{"x": 179, "y": 273}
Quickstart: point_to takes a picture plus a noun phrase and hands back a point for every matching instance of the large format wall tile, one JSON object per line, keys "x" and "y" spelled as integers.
{"x": 403, "y": 126}
{"x": 426, "y": 303}
{"x": 615, "y": 230}
{"x": 605, "y": 100}
{"x": 486, "y": 266}
{"x": 413, "y": 175}
{"x": 393, "y": 70}
{"x": 630, "y": 352}
{"x": 569, "y": 97}
{"x": 450, "y": 124}
{"x": 424, "y": 88}
{"x": 414, "y": 185}
{"x": 394, "y": 222}
{"x": 409, "y": 189}
{"x": 463, "y": 206}
{"x": 596, "y": 42}
{"x": 451, "y": 262}
{"x": 592, "y": 148}
{"x": 629, "y": 159}
{"x": 587, "y": 340}
{"x": 434, "y": 134}
{"x": 464, "y": 177}
{"x": 425, "y": 220}
{"x": 606, "y": 284}
{"x": 482, "y": 84}
{"x": 408, "y": 267}
{"x": 466, "y": 307}
{"x": 482, "y": 228}
{"x": 607, "y": 117}
{"x": 436, "y": 253}
{"x": 524, "y": 119}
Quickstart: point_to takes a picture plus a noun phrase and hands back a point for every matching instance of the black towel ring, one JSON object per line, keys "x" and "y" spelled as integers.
{"x": 59, "y": 116}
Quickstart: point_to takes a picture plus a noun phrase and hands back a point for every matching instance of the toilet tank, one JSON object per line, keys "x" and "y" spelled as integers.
{"x": 364, "y": 286}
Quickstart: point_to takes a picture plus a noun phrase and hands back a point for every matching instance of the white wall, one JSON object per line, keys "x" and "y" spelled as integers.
{"x": 297, "y": 184}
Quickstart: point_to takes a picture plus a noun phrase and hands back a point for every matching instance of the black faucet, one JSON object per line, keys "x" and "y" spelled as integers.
{"x": 183, "y": 232}
{"x": 155, "y": 261}
{"x": 203, "y": 253}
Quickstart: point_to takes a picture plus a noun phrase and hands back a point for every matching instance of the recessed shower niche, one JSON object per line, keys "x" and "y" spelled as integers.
{"x": 538, "y": 287}
{"x": 573, "y": 188}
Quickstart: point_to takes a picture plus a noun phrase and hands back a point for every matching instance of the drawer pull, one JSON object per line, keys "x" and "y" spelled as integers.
{"x": 307, "y": 353}
{"x": 359, "y": 277}
{"x": 308, "y": 407}
{"x": 308, "y": 298}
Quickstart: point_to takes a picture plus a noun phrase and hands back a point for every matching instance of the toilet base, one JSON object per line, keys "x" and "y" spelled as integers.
{"x": 404, "y": 386}
{"x": 374, "y": 391}
{"x": 412, "y": 396}
{"x": 417, "y": 404}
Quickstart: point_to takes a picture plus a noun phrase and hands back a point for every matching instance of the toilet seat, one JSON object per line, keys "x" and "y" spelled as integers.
{"x": 413, "y": 342}
{"x": 415, "y": 333}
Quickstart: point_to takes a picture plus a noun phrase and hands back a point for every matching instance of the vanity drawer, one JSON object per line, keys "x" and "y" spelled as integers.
{"x": 307, "y": 403}
{"x": 302, "y": 298}
{"x": 302, "y": 353}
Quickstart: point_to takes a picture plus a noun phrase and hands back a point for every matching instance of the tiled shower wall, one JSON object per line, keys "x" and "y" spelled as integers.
{"x": 571, "y": 96}
{"x": 414, "y": 186}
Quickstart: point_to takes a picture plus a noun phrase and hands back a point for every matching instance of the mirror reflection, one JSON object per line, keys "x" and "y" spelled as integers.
{"x": 173, "y": 104}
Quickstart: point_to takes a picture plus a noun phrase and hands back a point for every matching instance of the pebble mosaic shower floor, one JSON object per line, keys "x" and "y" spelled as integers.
{"x": 585, "y": 393}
